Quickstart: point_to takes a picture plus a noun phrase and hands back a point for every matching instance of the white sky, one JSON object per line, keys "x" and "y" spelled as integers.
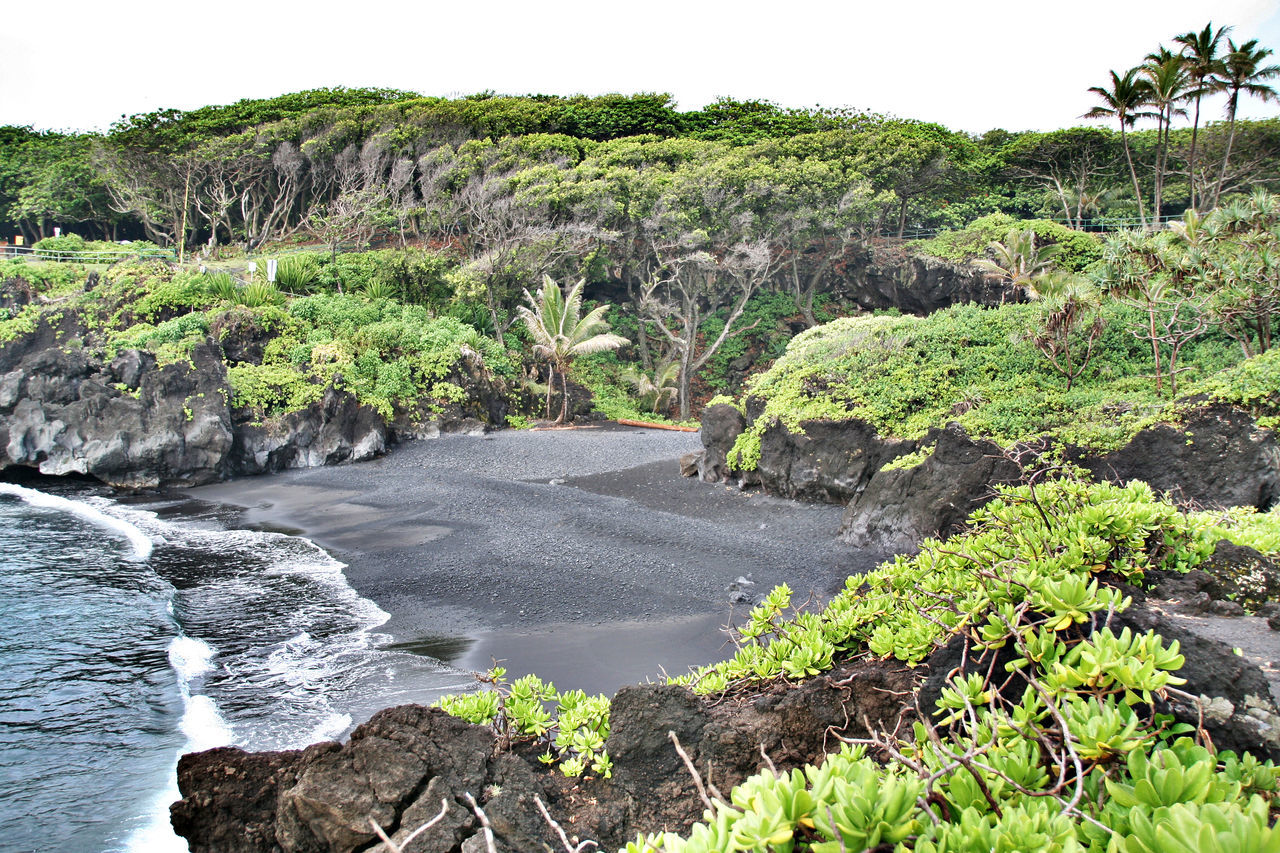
{"x": 971, "y": 65}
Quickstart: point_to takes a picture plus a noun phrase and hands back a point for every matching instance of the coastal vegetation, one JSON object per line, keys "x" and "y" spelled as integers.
{"x": 686, "y": 221}
{"x": 382, "y": 244}
{"x": 1053, "y": 733}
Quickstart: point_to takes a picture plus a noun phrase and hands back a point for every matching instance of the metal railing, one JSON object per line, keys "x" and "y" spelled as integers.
{"x": 100, "y": 256}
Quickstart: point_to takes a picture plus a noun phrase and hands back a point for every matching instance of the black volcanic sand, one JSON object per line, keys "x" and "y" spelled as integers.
{"x": 580, "y": 554}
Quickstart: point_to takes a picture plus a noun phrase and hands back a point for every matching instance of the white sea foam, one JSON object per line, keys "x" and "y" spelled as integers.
{"x": 191, "y": 657}
{"x": 204, "y": 728}
{"x": 139, "y": 541}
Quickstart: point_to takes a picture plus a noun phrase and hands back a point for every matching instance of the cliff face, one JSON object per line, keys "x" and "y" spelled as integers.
{"x": 1216, "y": 457}
{"x": 132, "y": 423}
{"x": 880, "y": 277}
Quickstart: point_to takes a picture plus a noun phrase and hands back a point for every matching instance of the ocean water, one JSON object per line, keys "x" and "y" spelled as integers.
{"x": 128, "y": 638}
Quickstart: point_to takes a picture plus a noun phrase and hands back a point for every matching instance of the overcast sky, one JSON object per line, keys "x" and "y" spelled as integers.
{"x": 968, "y": 65}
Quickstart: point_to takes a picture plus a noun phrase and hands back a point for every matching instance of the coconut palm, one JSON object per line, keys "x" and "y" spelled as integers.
{"x": 561, "y": 335}
{"x": 1243, "y": 74}
{"x": 1200, "y": 57}
{"x": 655, "y": 388}
{"x": 1019, "y": 260}
{"x": 1167, "y": 83}
{"x": 1124, "y": 101}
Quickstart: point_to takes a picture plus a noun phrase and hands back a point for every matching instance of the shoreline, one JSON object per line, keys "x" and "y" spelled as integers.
{"x": 583, "y": 555}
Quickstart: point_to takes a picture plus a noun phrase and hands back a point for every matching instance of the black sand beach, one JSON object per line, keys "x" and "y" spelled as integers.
{"x": 581, "y": 554}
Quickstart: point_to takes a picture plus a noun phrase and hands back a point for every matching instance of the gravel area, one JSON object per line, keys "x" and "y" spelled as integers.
{"x": 518, "y": 538}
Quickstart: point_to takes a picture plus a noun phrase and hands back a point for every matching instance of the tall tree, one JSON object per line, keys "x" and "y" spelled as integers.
{"x": 1124, "y": 101}
{"x": 1078, "y": 164}
{"x": 1200, "y": 57}
{"x": 1244, "y": 74}
{"x": 1166, "y": 86}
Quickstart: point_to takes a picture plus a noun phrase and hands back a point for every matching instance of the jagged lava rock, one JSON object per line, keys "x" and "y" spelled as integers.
{"x": 901, "y": 507}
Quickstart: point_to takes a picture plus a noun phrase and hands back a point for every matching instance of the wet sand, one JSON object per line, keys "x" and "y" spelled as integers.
{"x": 582, "y": 555}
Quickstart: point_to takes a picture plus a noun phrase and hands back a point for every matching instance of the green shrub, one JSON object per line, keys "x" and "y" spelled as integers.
{"x": 976, "y": 366}
{"x": 267, "y": 390}
{"x": 1077, "y": 249}
{"x": 184, "y": 332}
{"x": 51, "y": 247}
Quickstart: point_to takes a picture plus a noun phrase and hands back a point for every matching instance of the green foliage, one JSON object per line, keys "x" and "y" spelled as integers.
{"x": 761, "y": 318}
{"x": 1076, "y": 250}
{"x": 52, "y": 279}
{"x": 979, "y": 367}
{"x": 413, "y": 276}
{"x": 297, "y": 274}
{"x": 1253, "y": 384}
{"x": 519, "y": 711}
{"x": 51, "y": 246}
{"x": 1060, "y": 750}
{"x": 22, "y": 323}
{"x": 268, "y": 390}
{"x": 170, "y": 340}
{"x": 390, "y": 355}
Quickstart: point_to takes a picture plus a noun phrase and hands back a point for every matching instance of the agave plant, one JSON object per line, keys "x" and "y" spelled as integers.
{"x": 259, "y": 293}
{"x": 378, "y": 289}
{"x": 222, "y": 286}
{"x": 297, "y": 273}
{"x": 561, "y": 335}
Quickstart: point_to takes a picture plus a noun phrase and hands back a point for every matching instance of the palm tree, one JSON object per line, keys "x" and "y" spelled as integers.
{"x": 1019, "y": 260}
{"x": 1200, "y": 56}
{"x": 1124, "y": 100}
{"x": 1166, "y": 85}
{"x": 560, "y": 336}
{"x": 653, "y": 389}
{"x": 1243, "y": 74}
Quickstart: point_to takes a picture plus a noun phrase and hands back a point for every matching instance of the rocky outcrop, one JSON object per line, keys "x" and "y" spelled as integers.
{"x": 887, "y": 276}
{"x": 903, "y": 506}
{"x": 829, "y": 461}
{"x": 132, "y": 423}
{"x": 407, "y": 763}
{"x": 330, "y": 431}
{"x": 1217, "y": 456}
{"x": 127, "y": 423}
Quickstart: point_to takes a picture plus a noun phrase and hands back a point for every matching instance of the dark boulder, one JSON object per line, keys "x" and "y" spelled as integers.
{"x": 903, "y": 506}
{"x": 721, "y": 426}
{"x": 827, "y": 461}
{"x": 235, "y": 807}
{"x": 1217, "y": 456}
{"x": 330, "y": 431}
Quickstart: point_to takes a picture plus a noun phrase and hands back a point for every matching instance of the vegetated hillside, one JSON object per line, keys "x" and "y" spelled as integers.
{"x": 1157, "y": 325}
{"x": 682, "y": 216}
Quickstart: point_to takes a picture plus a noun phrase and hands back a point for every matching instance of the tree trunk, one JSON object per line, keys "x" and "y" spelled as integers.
{"x": 1226, "y": 157}
{"x": 564, "y": 395}
{"x": 1191, "y": 160}
{"x": 1137, "y": 191}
